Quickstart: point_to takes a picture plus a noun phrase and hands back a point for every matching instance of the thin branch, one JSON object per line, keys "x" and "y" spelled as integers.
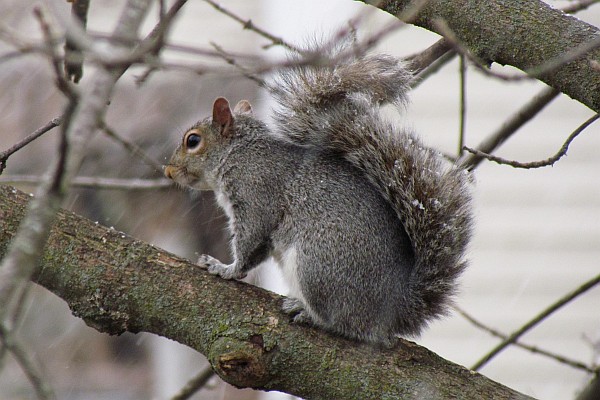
{"x": 537, "y": 164}
{"x": 80, "y": 122}
{"x": 158, "y": 35}
{"x": 361, "y": 47}
{"x": 229, "y": 59}
{"x": 21, "y": 258}
{"x": 182, "y": 48}
{"x": 133, "y": 148}
{"x": 533, "y": 349}
{"x": 513, "y": 337}
{"x": 42, "y": 390}
{"x": 194, "y": 384}
{"x": 418, "y": 62}
{"x": 315, "y": 57}
{"x": 579, "y": 5}
{"x": 30, "y": 138}
{"x": 22, "y": 46}
{"x": 95, "y": 182}
{"x": 463, "y": 105}
{"x": 248, "y": 24}
{"x": 403, "y": 19}
{"x": 143, "y": 51}
{"x": 12, "y": 322}
{"x": 74, "y": 68}
{"x": 55, "y": 59}
{"x": 433, "y": 68}
{"x": 511, "y": 126}
{"x": 12, "y": 37}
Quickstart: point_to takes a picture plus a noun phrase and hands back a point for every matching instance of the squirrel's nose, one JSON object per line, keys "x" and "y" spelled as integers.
{"x": 169, "y": 171}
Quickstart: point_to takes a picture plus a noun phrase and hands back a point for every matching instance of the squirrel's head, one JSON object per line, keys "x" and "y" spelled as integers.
{"x": 203, "y": 147}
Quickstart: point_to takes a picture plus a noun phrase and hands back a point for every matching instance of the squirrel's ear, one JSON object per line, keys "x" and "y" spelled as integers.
{"x": 243, "y": 107}
{"x": 222, "y": 113}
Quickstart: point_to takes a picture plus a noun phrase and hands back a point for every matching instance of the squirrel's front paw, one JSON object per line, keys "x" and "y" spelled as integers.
{"x": 216, "y": 267}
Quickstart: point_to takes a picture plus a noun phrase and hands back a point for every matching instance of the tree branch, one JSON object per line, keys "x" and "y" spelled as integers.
{"x": 117, "y": 284}
{"x": 195, "y": 384}
{"x": 533, "y": 349}
{"x": 522, "y": 33}
{"x": 542, "y": 163}
{"x": 95, "y": 182}
{"x": 41, "y": 388}
{"x": 81, "y": 120}
{"x": 30, "y": 138}
{"x": 509, "y": 127}
{"x": 536, "y": 320}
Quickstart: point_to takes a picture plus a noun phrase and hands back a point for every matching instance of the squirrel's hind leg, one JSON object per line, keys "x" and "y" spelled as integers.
{"x": 296, "y": 308}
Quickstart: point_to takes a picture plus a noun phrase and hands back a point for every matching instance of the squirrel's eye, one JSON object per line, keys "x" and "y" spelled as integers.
{"x": 193, "y": 141}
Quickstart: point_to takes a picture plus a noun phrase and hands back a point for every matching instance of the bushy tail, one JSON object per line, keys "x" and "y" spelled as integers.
{"x": 337, "y": 108}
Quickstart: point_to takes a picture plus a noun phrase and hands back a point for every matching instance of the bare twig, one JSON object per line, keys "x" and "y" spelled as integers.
{"x": 248, "y": 24}
{"x": 23, "y": 46}
{"x": 533, "y": 349}
{"x": 30, "y": 138}
{"x": 362, "y": 46}
{"x": 537, "y": 164}
{"x": 534, "y": 321}
{"x": 95, "y": 182}
{"x": 578, "y": 5}
{"x": 143, "y": 51}
{"x": 80, "y": 123}
{"x": 259, "y": 66}
{"x": 156, "y": 38}
{"x": 418, "y": 62}
{"x": 182, "y": 48}
{"x": 433, "y": 68}
{"x": 525, "y": 114}
{"x": 230, "y": 59}
{"x": 463, "y": 105}
{"x": 12, "y": 37}
{"x": 11, "y": 322}
{"x": 74, "y": 65}
{"x": 55, "y": 59}
{"x": 195, "y": 384}
{"x": 42, "y": 390}
{"x": 133, "y": 148}
{"x": 359, "y": 47}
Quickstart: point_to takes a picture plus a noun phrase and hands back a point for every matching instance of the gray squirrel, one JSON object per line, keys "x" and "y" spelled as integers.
{"x": 368, "y": 225}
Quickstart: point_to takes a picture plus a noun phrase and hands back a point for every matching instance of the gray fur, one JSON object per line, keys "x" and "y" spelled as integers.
{"x": 369, "y": 226}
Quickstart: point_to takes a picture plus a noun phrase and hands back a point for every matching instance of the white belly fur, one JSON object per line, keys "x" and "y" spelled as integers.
{"x": 288, "y": 262}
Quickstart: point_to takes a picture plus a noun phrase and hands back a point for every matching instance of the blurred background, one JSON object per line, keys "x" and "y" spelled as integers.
{"x": 537, "y": 231}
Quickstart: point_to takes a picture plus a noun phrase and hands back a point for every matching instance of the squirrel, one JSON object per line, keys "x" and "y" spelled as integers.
{"x": 368, "y": 225}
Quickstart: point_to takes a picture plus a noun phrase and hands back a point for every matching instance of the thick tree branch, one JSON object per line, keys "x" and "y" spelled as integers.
{"x": 117, "y": 284}
{"x": 523, "y": 33}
